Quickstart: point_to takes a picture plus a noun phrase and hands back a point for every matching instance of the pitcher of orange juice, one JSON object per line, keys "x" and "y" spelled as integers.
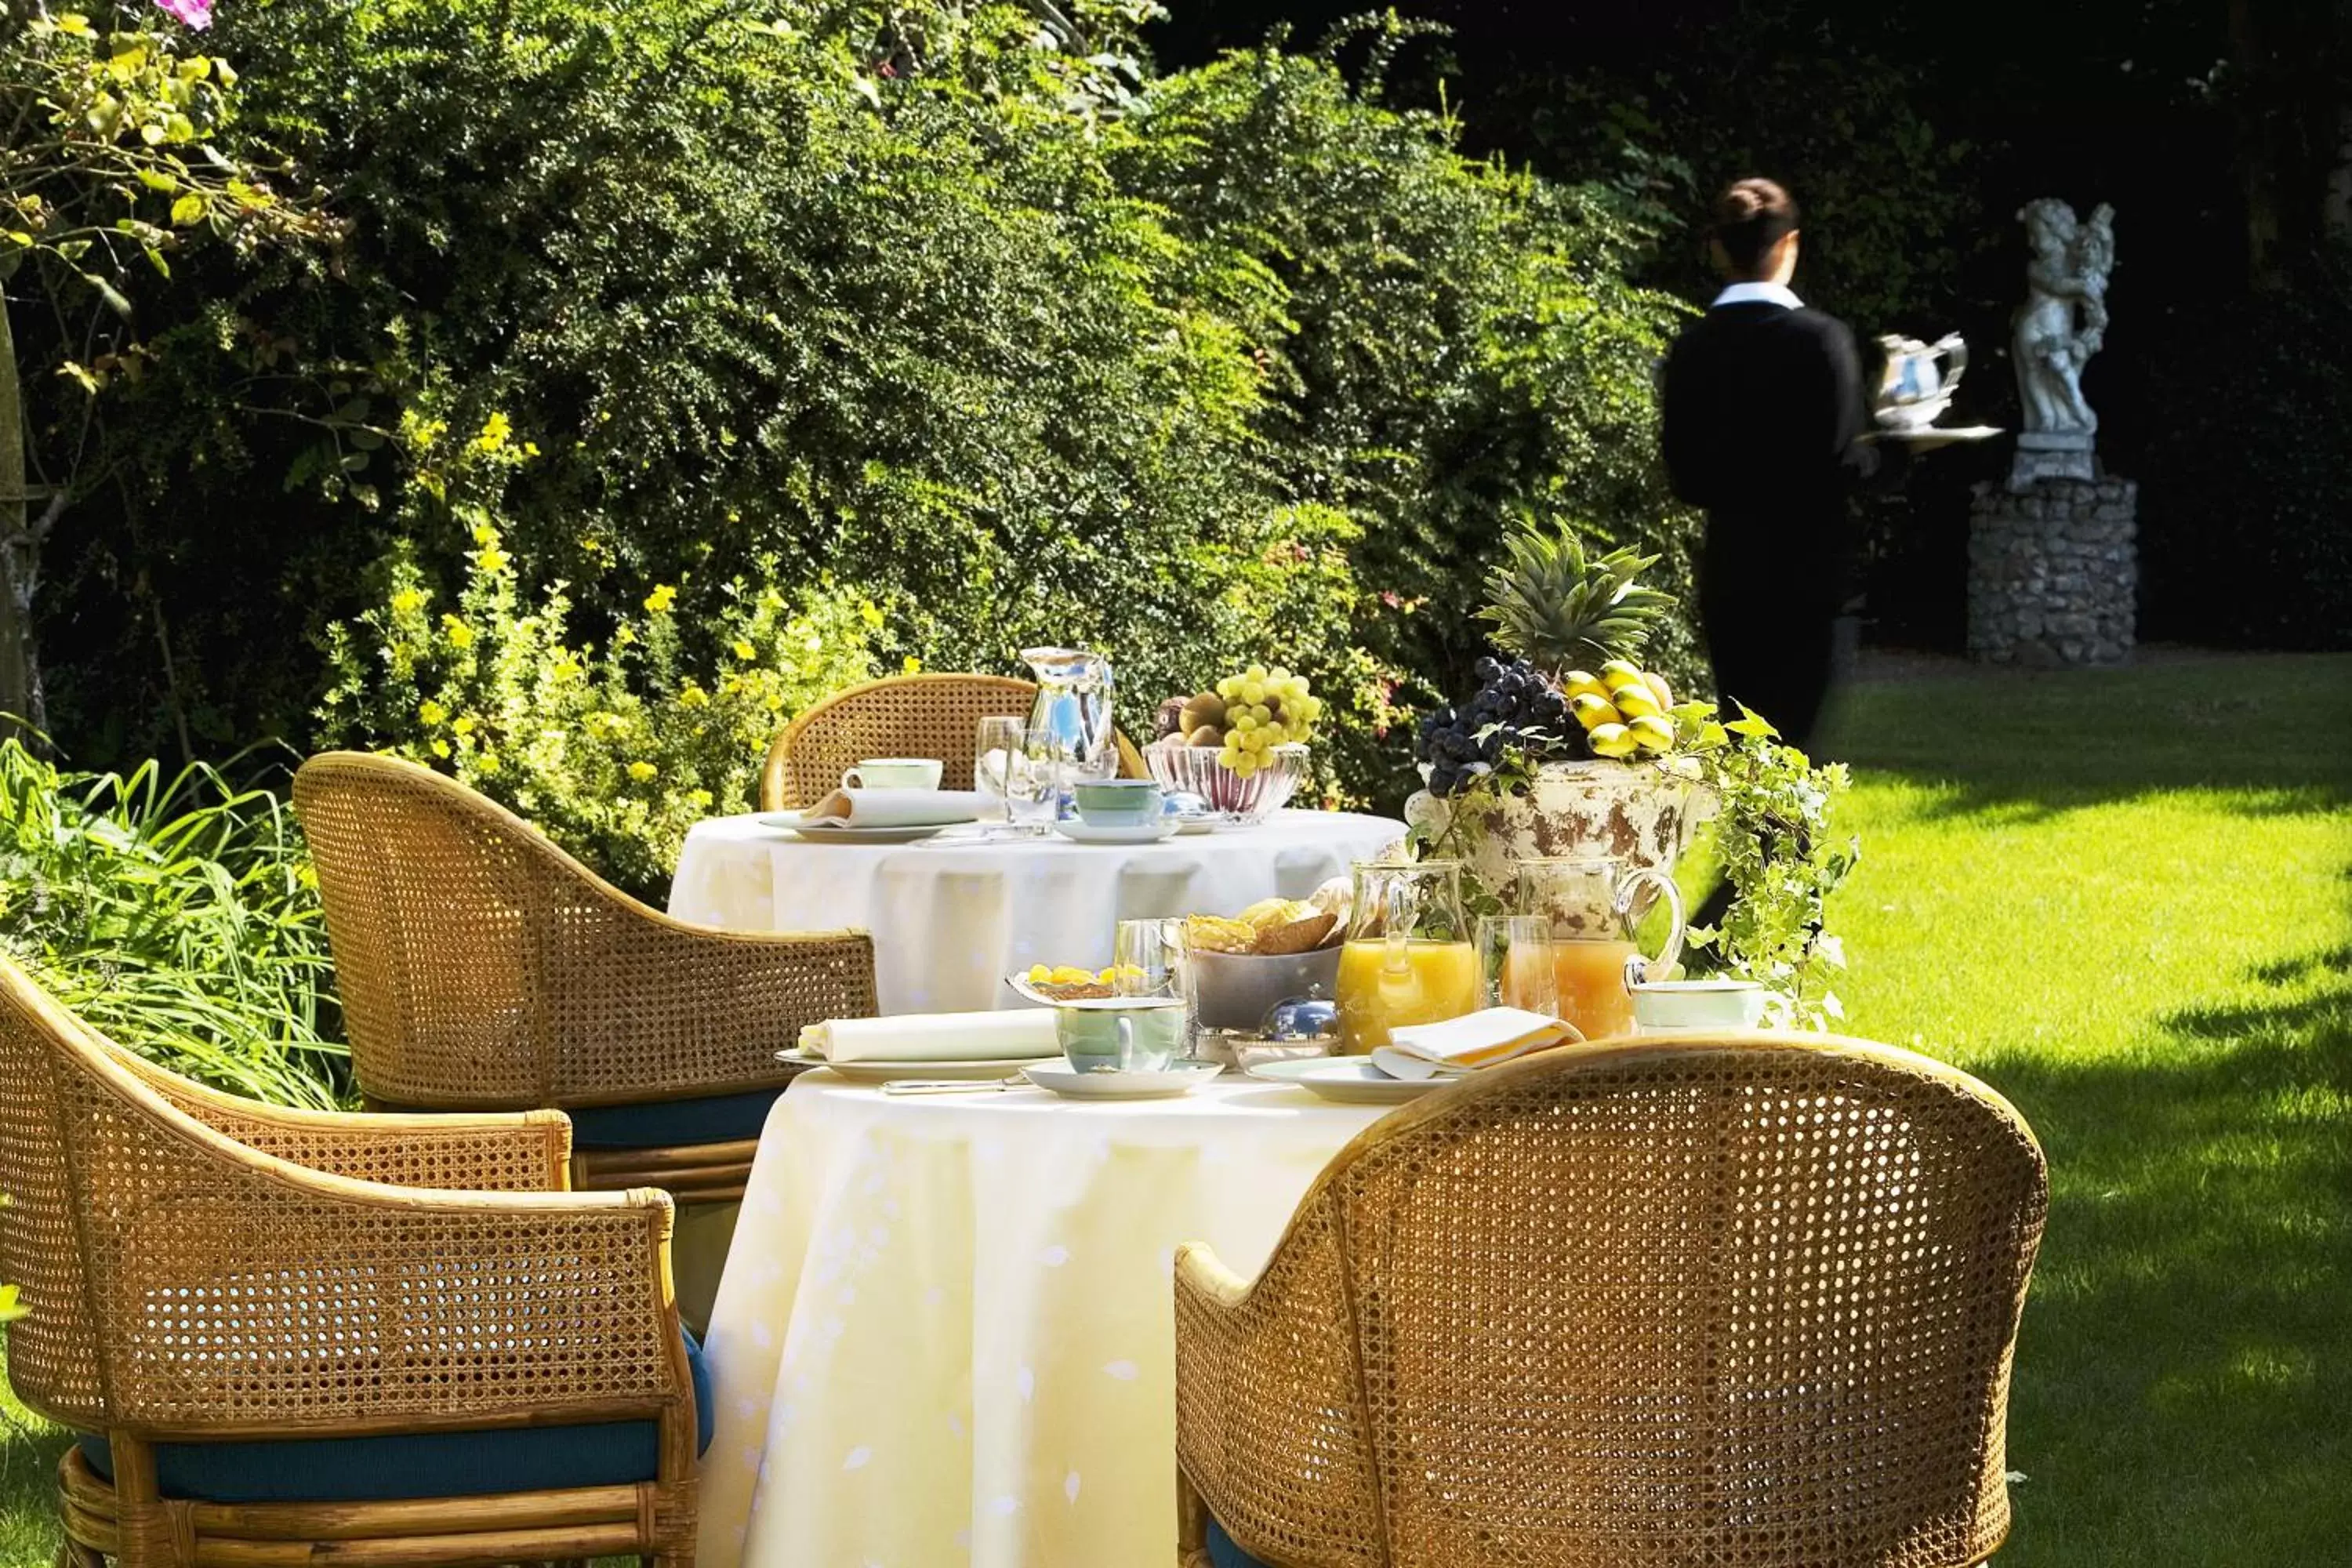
{"x": 1591, "y": 905}
{"x": 1408, "y": 958}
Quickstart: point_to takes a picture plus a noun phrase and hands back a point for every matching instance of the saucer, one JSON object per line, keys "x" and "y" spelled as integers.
{"x": 843, "y": 832}
{"x": 1350, "y": 1081}
{"x": 1079, "y": 832}
{"x": 1179, "y": 1079}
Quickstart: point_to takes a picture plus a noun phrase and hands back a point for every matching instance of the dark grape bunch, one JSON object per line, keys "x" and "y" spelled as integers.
{"x": 1516, "y": 708}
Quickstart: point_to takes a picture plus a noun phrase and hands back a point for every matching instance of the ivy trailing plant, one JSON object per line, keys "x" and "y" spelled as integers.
{"x": 1782, "y": 856}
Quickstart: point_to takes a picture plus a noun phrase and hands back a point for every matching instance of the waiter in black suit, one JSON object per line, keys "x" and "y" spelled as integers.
{"x": 1763, "y": 414}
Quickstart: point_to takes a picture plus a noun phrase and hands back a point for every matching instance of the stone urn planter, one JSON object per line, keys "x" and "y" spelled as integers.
{"x": 1641, "y": 813}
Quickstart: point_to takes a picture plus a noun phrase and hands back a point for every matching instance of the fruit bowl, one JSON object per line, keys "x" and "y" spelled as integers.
{"x": 1195, "y": 770}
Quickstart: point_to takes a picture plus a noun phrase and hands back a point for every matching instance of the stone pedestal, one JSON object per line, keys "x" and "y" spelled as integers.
{"x": 2051, "y": 455}
{"x": 2054, "y": 572}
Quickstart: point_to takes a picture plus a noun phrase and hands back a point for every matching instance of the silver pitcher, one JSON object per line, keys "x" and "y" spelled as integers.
{"x": 1074, "y": 704}
{"x": 1914, "y": 390}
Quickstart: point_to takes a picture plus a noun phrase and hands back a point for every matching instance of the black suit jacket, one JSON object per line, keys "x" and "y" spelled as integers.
{"x": 1763, "y": 408}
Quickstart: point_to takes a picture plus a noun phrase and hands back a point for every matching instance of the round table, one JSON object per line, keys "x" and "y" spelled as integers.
{"x": 952, "y": 916}
{"x": 946, "y": 1330}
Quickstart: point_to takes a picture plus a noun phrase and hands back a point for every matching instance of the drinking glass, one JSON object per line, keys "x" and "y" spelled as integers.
{"x": 996, "y": 742}
{"x": 1148, "y": 958}
{"x": 1515, "y": 966}
{"x": 1029, "y": 775}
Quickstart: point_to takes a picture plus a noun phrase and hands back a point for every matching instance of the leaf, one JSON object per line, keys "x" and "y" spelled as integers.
{"x": 189, "y": 209}
{"x": 156, "y": 180}
{"x": 113, "y": 297}
{"x": 155, "y": 259}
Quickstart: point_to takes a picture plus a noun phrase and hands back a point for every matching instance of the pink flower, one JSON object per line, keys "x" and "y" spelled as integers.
{"x": 196, "y": 14}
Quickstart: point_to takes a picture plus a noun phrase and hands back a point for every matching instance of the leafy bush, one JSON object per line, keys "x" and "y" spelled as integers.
{"x": 615, "y": 751}
{"x": 179, "y": 917}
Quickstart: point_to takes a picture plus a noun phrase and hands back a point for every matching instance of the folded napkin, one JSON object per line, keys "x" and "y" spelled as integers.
{"x": 935, "y": 1037}
{"x": 1463, "y": 1045}
{"x": 895, "y": 808}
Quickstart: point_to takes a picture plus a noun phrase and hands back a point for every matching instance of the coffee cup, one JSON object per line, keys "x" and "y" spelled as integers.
{"x": 1120, "y": 1033}
{"x": 1683, "y": 1007}
{"x": 893, "y": 773}
{"x": 1118, "y": 803}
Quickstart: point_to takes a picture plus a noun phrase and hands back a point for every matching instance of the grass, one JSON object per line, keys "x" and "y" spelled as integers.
{"x": 2124, "y": 898}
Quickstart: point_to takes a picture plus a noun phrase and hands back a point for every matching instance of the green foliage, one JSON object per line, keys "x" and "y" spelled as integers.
{"x": 179, "y": 917}
{"x": 615, "y": 751}
{"x": 1780, "y": 851}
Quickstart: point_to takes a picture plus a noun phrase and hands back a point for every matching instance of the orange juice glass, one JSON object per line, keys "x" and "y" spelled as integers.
{"x": 1428, "y": 983}
{"x": 1591, "y": 975}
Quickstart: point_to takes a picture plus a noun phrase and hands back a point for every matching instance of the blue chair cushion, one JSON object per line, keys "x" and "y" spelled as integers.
{"x": 667, "y": 1123}
{"x": 414, "y": 1464}
{"x": 1223, "y": 1554}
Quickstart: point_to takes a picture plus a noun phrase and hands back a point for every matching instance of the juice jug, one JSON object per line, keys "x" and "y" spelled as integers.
{"x": 1591, "y": 906}
{"x": 1408, "y": 958}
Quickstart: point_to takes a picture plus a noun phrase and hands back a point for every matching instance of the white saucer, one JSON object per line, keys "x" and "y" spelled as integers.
{"x": 1183, "y": 1077}
{"x": 830, "y": 832}
{"x": 1142, "y": 833}
{"x": 890, "y": 1072}
{"x": 1350, "y": 1081}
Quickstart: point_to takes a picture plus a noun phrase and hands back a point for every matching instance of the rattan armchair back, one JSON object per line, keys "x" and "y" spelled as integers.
{"x": 1747, "y": 1300}
{"x": 481, "y": 966}
{"x": 181, "y": 1284}
{"x": 934, "y": 715}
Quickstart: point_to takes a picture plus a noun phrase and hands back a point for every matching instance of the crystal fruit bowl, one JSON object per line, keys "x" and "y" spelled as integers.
{"x": 1195, "y": 770}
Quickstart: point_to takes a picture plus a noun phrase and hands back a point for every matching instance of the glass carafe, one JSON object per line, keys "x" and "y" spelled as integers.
{"x": 1592, "y": 907}
{"x": 1408, "y": 958}
{"x": 1073, "y": 703}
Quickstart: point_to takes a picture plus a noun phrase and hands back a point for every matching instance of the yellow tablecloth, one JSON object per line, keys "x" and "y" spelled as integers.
{"x": 945, "y": 1334}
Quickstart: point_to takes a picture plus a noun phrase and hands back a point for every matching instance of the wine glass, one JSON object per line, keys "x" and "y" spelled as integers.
{"x": 1034, "y": 770}
{"x": 1517, "y": 964}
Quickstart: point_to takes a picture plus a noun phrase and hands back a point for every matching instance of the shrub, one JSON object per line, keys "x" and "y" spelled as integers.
{"x": 614, "y": 751}
{"x": 179, "y": 917}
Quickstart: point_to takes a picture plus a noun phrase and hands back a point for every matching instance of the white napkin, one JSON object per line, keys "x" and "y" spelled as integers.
{"x": 895, "y": 808}
{"x": 1462, "y": 1046}
{"x": 935, "y": 1037}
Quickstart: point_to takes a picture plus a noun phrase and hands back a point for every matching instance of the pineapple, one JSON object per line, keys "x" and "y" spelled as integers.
{"x": 1554, "y": 606}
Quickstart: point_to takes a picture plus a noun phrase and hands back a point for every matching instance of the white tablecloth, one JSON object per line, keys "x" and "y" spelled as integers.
{"x": 946, "y": 1333}
{"x": 951, "y": 920}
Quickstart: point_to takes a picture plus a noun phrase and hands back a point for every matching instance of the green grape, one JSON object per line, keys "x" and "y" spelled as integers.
{"x": 1231, "y": 757}
{"x": 1255, "y": 672}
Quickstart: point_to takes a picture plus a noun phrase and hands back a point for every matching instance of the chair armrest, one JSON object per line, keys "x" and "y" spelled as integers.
{"x": 1269, "y": 1403}
{"x": 527, "y": 1152}
{"x": 648, "y": 1007}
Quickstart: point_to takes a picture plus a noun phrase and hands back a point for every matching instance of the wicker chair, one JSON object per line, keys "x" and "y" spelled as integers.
{"x": 483, "y": 969}
{"x": 265, "y": 1321}
{"x": 904, "y": 716}
{"x": 1744, "y": 1299}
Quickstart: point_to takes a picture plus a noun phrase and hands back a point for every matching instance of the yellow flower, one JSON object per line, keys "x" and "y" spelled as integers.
{"x": 870, "y": 613}
{"x": 495, "y": 429}
{"x": 491, "y": 559}
{"x": 464, "y": 726}
{"x": 565, "y": 669}
{"x": 623, "y": 635}
{"x": 441, "y": 749}
{"x": 744, "y": 651}
{"x": 662, "y": 596}
{"x": 693, "y": 696}
{"x": 641, "y": 771}
{"x": 408, "y": 601}
{"x": 911, "y": 667}
{"x": 487, "y": 763}
{"x": 485, "y": 534}
{"x": 461, "y": 635}
{"x": 432, "y": 712}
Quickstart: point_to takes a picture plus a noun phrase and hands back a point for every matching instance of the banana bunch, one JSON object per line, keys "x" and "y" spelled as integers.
{"x": 1623, "y": 708}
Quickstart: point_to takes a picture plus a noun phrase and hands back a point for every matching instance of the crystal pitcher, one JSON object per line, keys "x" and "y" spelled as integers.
{"x": 1591, "y": 906}
{"x": 1074, "y": 703}
{"x": 1408, "y": 958}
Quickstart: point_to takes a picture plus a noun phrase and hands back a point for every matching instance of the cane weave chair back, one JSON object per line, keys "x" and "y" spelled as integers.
{"x": 934, "y": 715}
{"x": 481, "y": 966}
{"x": 1747, "y": 1300}
{"x": 182, "y": 1286}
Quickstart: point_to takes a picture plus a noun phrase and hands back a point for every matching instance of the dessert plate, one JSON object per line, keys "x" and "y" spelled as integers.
{"x": 1183, "y": 1077}
{"x": 1350, "y": 1081}
{"x": 843, "y": 832}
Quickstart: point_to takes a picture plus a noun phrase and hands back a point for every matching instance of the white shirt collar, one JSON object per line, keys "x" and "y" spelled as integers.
{"x": 1779, "y": 294}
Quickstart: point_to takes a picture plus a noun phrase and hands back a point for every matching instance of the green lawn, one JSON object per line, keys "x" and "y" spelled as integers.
{"x": 2126, "y": 900}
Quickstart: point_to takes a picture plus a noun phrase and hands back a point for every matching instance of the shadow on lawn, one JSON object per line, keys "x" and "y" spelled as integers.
{"x": 2024, "y": 747}
{"x": 2187, "y": 1356}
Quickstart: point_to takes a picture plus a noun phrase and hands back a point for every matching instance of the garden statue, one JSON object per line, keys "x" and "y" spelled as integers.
{"x": 2062, "y": 325}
